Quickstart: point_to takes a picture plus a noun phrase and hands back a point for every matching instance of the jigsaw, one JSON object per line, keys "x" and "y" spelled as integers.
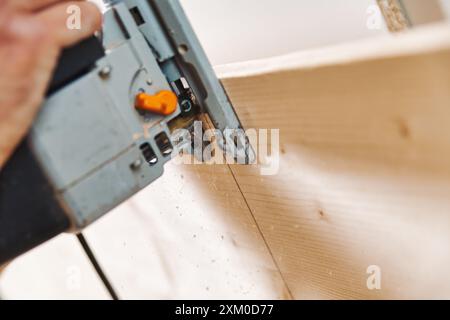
{"x": 107, "y": 126}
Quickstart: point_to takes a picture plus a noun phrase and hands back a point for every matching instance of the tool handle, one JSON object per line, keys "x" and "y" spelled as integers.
{"x": 30, "y": 212}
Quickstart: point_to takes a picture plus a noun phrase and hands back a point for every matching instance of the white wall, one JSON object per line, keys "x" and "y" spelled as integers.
{"x": 236, "y": 30}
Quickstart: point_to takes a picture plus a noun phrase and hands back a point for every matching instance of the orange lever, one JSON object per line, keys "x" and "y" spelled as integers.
{"x": 164, "y": 102}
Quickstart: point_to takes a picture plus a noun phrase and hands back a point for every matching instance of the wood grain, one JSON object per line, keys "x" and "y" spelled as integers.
{"x": 189, "y": 235}
{"x": 365, "y": 166}
{"x": 394, "y": 15}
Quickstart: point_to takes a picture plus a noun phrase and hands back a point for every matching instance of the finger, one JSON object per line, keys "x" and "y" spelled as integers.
{"x": 55, "y": 20}
{"x": 33, "y": 5}
{"x": 2, "y": 268}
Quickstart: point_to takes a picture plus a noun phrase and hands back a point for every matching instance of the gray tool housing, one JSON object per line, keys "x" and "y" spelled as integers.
{"x": 95, "y": 147}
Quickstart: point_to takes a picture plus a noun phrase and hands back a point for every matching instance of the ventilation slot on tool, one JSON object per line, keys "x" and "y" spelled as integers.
{"x": 164, "y": 144}
{"x": 138, "y": 18}
{"x": 149, "y": 154}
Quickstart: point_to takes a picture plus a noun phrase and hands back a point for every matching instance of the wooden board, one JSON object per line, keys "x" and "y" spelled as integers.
{"x": 365, "y": 165}
{"x": 189, "y": 235}
{"x": 364, "y": 181}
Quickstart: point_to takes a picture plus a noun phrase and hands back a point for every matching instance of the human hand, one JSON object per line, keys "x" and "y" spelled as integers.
{"x": 32, "y": 34}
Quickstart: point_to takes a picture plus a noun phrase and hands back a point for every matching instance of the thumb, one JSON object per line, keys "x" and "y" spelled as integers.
{"x": 58, "y": 19}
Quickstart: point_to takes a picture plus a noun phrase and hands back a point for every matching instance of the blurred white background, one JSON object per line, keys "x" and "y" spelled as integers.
{"x": 238, "y": 30}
